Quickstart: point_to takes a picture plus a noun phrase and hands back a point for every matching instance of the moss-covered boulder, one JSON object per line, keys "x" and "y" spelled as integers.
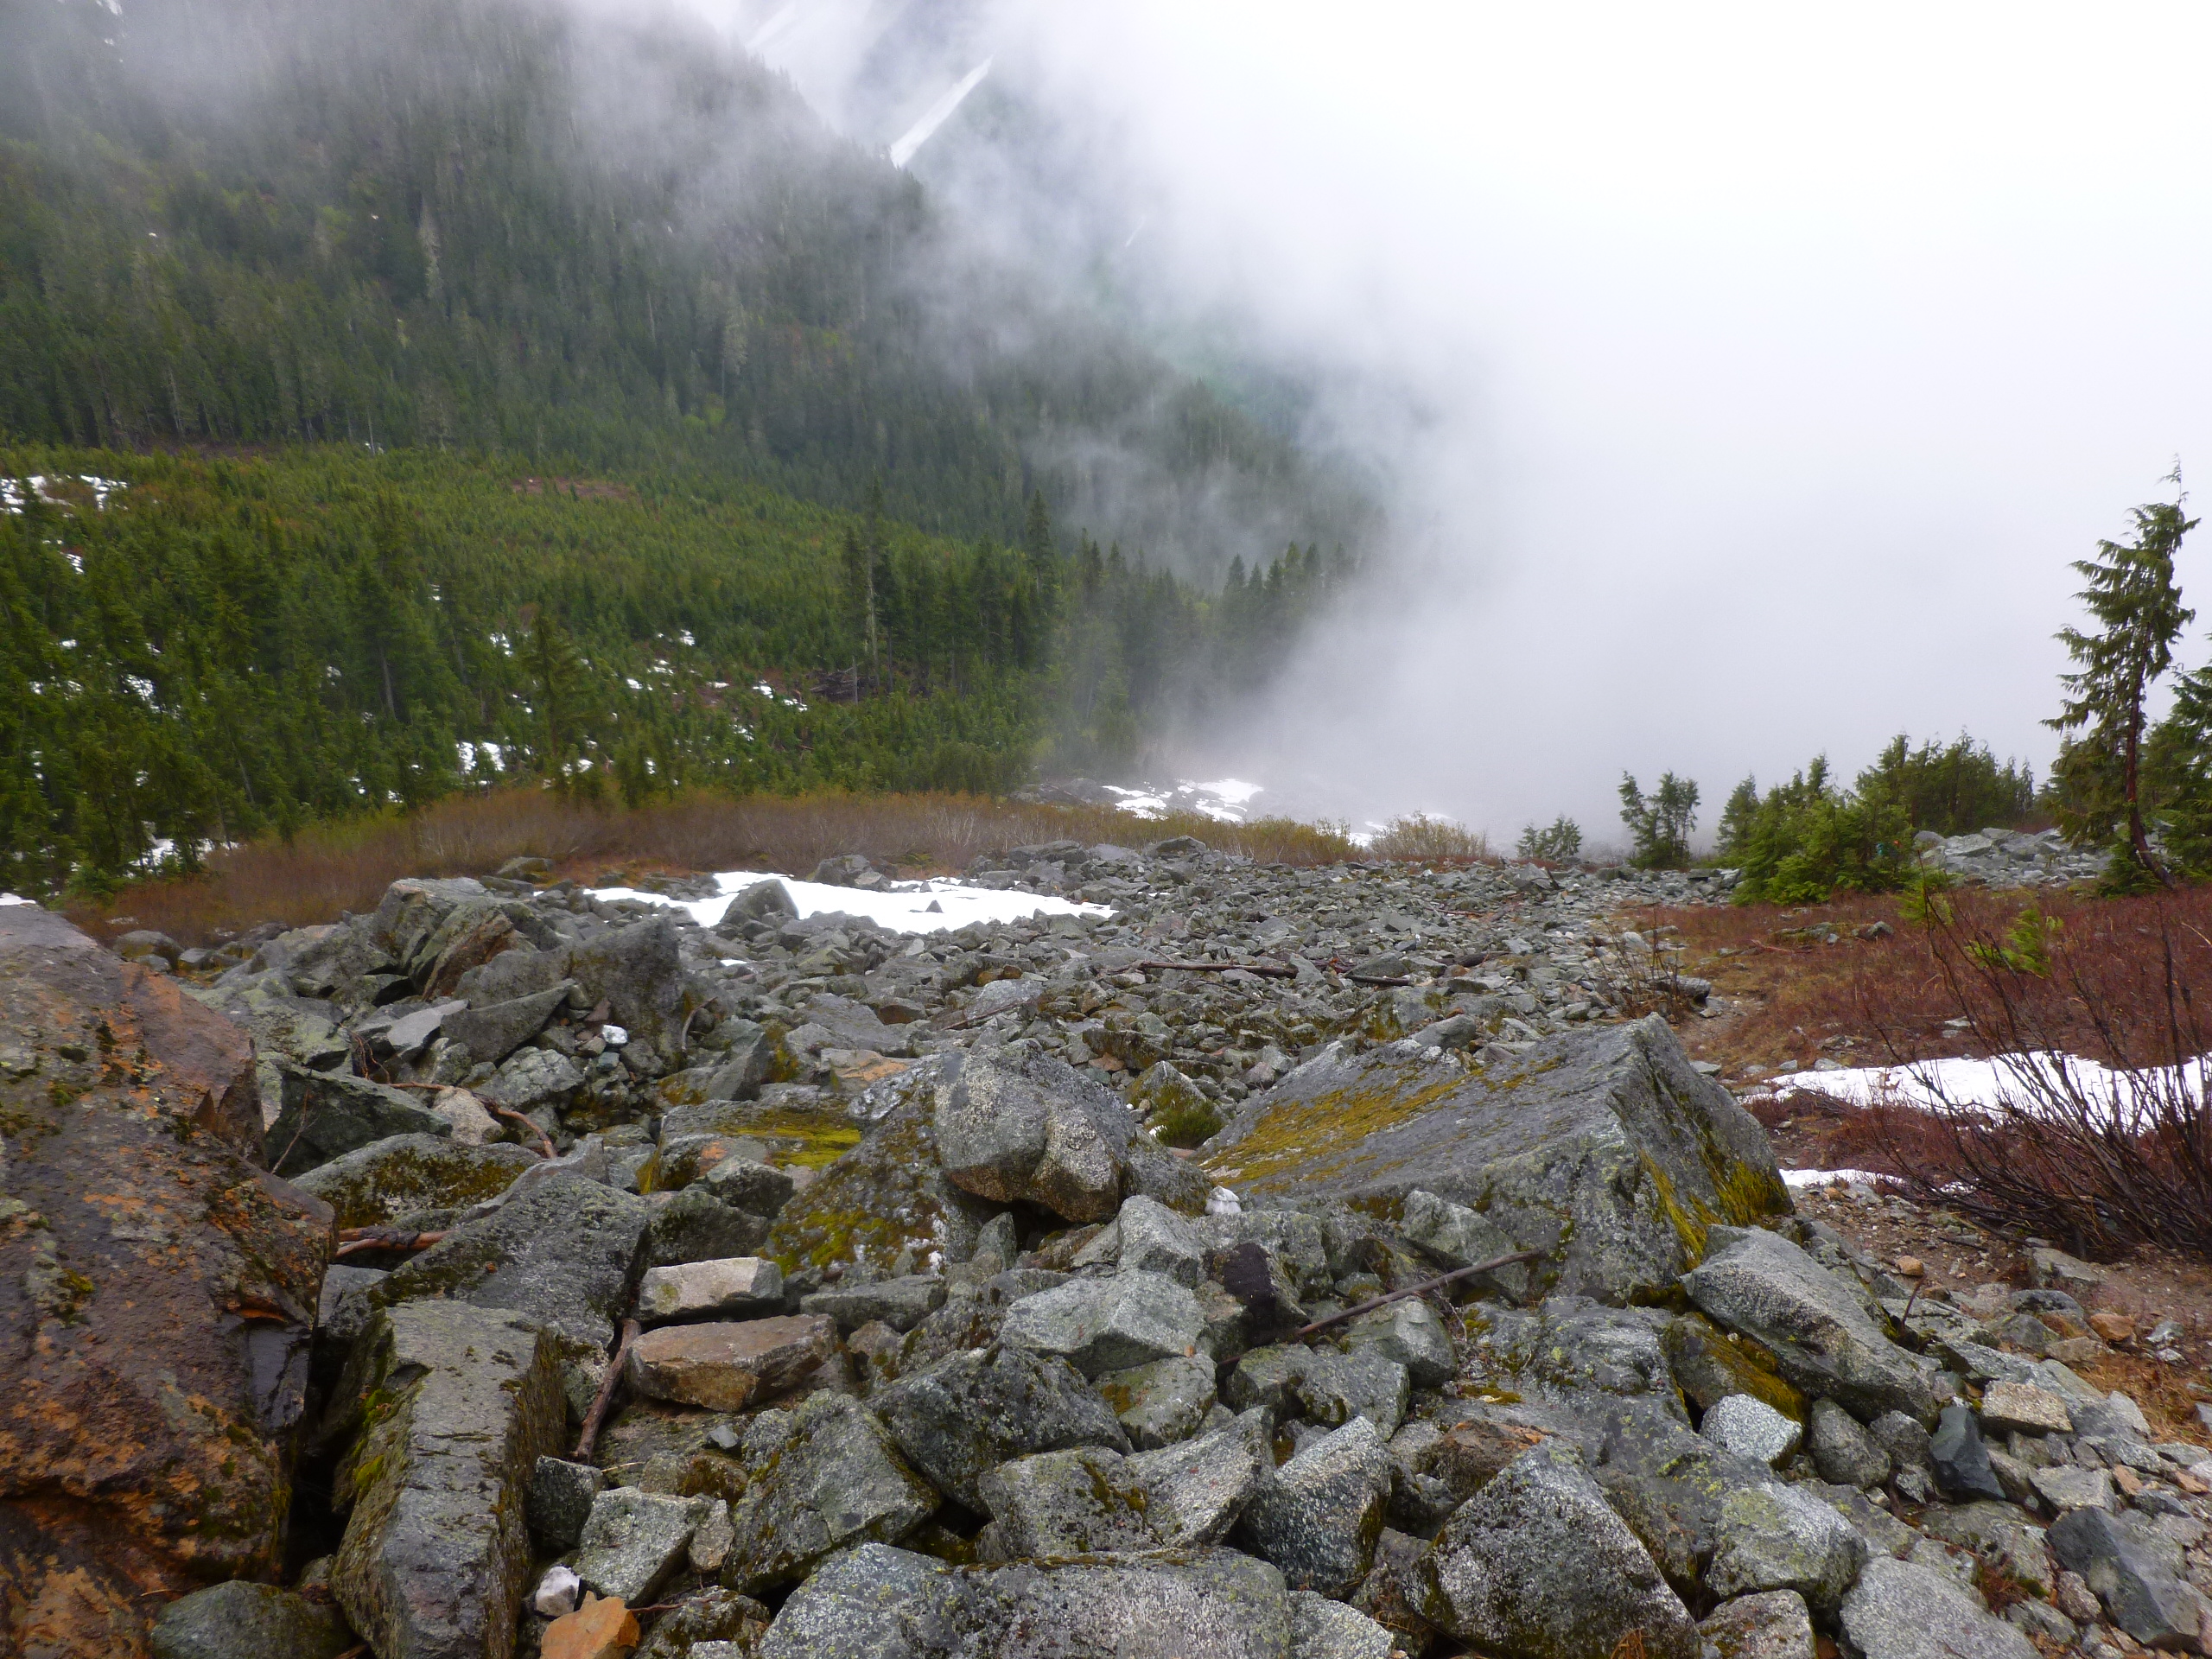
{"x": 1606, "y": 1149}
{"x": 379, "y": 1183}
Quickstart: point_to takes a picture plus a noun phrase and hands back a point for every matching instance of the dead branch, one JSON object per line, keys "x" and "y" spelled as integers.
{"x": 604, "y": 1397}
{"x": 1424, "y": 1286}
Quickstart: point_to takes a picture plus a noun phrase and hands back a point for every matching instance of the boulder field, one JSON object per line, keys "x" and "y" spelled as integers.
{"x": 507, "y": 1272}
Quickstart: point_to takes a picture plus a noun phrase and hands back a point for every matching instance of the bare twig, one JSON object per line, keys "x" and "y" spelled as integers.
{"x": 1424, "y": 1286}
{"x": 1265, "y": 970}
{"x": 604, "y": 1397}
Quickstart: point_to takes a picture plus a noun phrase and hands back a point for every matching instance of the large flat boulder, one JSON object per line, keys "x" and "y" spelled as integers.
{"x": 1605, "y": 1149}
{"x": 157, "y": 1297}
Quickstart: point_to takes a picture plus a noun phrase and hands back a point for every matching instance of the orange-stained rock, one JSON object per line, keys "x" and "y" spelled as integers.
{"x": 157, "y": 1294}
{"x": 723, "y": 1366}
{"x": 2112, "y": 1328}
{"x": 598, "y": 1629}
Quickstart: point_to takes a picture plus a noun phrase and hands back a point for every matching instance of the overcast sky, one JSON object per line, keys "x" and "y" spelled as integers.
{"x": 1775, "y": 360}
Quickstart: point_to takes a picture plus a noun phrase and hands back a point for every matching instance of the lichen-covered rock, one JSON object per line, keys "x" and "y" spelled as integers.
{"x": 1067, "y": 1503}
{"x": 1750, "y": 1428}
{"x": 1317, "y": 1518}
{"x": 157, "y": 1290}
{"x": 1842, "y": 1450}
{"x": 888, "y": 1196}
{"x": 1012, "y": 1127}
{"x": 567, "y": 1252}
{"x": 1409, "y": 1333}
{"x": 1902, "y": 1609}
{"x": 1606, "y": 1149}
{"x": 1163, "y": 1402}
{"x": 1574, "y": 1352}
{"x": 633, "y": 1539}
{"x": 325, "y": 1115}
{"x": 1155, "y": 1239}
{"x": 734, "y": 1287}
{"x": 453, "y": 1406}
{"x": 244, "y": 1620}
{"x": 1669, "y": 1486}
{"x": 488, "y": 1032}
{"x": 1192, "y": 1604}
{"x": 870, "y": 1602}
{"x": 1710, "y": 1364}
{"x": 830, "y": 1478}
{"x": 638, "y": 973}
{"x": 560, "y": 1502}
{"x": 1538, "y": 1567}
{"x": 971, "y": 1411}
{"x": 379, "y": 1183}
{"x": 1322, "y": 1629}
{"x": 1774, "y": 1624}
{"x": 711, "y": 1624}
{"x": 1818, "y": 1330}
{"x": 1775, "y": 1537}
{"x": 1334, "y": 1388}
{"x": 901, "y": 1303}
{"x": 1108, "y": 1325}
{"x": 1196, "y": 1489}
{"x": 694, "y": 1225}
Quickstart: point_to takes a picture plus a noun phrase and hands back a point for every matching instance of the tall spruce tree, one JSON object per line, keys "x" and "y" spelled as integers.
{"x": 2133, "y": 596}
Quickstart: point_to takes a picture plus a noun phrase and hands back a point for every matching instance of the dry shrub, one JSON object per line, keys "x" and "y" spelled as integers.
{"x": 2105, "y": 1160}
{"x": 346, "y": 866}
{"x": 1422, "y": 839}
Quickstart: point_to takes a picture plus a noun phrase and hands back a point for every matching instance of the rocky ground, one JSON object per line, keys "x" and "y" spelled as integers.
{"x": 1054, "y": 1288}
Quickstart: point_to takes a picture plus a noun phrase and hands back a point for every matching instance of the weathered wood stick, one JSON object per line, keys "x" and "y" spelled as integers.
{"x": 1369, "y": 1307}
{"x": 604, "y": 1397}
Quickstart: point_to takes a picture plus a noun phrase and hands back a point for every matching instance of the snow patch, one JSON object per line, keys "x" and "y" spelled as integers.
{"x": 1989, "y": 1083}
{"x": 933, "y": 906}
{"x": 1226, "y": 799}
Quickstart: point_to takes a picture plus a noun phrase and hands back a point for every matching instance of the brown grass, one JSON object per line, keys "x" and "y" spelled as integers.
{"x": 1422, "y": 839}
{"x": 346, "y": 866}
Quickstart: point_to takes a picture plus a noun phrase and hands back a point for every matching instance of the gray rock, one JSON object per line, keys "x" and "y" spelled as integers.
{"x": 1163, "y": 1402}
{"x": 1962, "y": 1461}
{"x": 1771, "y": 1626}
{"x": 1459, "y": 1237}
{"x": 561, "y": 1498}
{"x": 1670, "y": 1486}
{"x": 638, "y": 972}
{"x": 902, "y": 1304}
{"x": 1269, "y": 1378}
{"x": 836, "y": 1480}
{"x": 1336, "y": 1388}
{"x": 756, "y": 1188}
{"x": 2136, "y": 1571}
{"x": 1881, "y": 1530}
{"x": 532, "y": 1077}
{"x": 488, "y": 1032}
{"x": 632, "y": 1540}
{"x": 737, "y": 1287}
{"x": 871, "y": 1602}
{"x": 694, "y": 1225}
{"x": 1322, "y": 1629}
{"x": 1408, "y": 1332}
{"x": 404, "y": 1174}
{"x": 1193, "y": 1604}
{"x": 1901, "y": 1610}
{"x": 1538, "y": 1566}
{"x": 2115, "y": 1417}
{"x": 1904, "y": 1440}
{"x": 1777, "y": 1537}
{"x": 2001, "y": 1534}
{"x": 1295, "y": 1241}
{"x": 2066, "y": 1487}
{"x": 1762, "y": 1285}
{"x": 1108, "y": 1324}
{"x": 436, "y": 1553}
{"x": 1842, "y": 1451}
{"x": 520, "y": 972}
{"x": 1067, "y": 1503}
{"x": 1572, "y": 1352}
{"x": 968, "y": 1413}
{"x": 568, "y": 1253}
{"x": 2026, "y": 1407}
{"x": 242, "y": 1620}
{"x": 1750, "y": 1428}
{"x": 1317, "y": 1518}
{"x": 1604, "y": 1148}
{"x": 709, "y": 1623}
{"x": 763, "y": 901}
{"x": 343, "y": 1310}
{"x": 1154, "y": 1239}
{"x": 1198, "y": 1488}
{"x": 1012, "y": 1127}
{"x": 325, "y": 1115}
{"x": 747, "y": 1061}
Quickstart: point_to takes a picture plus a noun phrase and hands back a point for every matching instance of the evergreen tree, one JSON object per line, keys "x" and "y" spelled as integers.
{"x": 1659, "y": 824}
{"x": 2133, "y": 597}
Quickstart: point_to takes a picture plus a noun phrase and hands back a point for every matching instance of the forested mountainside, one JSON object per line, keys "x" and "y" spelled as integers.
{"x": 196, "y": 649}
{"x": 491, "y": 225}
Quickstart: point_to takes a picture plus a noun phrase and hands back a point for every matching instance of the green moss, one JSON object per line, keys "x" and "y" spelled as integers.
{"x": 1290, "y": 1138}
